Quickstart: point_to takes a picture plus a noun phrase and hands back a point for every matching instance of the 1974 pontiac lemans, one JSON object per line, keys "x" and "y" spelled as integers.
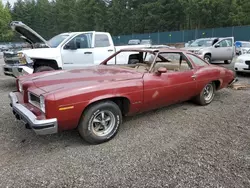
{"x": 95, "y": 99}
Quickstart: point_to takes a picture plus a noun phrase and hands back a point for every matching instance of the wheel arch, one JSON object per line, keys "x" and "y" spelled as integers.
{"x": 217, "y": 84}
{"x": 45, "y": 62}
{"x": 123, "y": 102}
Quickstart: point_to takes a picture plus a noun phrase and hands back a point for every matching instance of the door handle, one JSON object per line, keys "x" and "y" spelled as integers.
{"x": 194, "y": 77}
{"x": 110, "y": 50}
{"x": 87, "y": 52}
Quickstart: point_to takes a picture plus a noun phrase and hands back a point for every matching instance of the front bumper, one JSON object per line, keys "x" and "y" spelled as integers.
{"x": 40, "y": 127}
{"x": 16, "y": 70}
{"x": 232, "y": 82}
{"x": 241, "y": 67}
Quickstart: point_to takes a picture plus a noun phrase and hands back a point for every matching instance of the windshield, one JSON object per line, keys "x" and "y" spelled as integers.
{"x": 56, "y": 40}
{"x": 246, "y": 44}
{"x": 202, "y": 42}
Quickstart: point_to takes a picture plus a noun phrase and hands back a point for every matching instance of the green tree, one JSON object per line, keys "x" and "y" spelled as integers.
{"x": 5, "y": 19}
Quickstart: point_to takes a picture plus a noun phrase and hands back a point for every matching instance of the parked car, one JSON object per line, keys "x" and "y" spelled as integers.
{"x": 3, "y": 48}
{"x": 214, "y": 49}
{"x": 242, "y": 63}
{"x": 64, "y": 51}
{"x": 134, "y": 42}
{"x": 146, "y": 42}
{"x": 95, "y": 99}
{"x": 242, "y": 47}
{"x": 188, "y": 43}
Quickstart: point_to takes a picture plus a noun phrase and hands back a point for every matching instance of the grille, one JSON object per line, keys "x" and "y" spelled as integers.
{"x": 247, "y": 62}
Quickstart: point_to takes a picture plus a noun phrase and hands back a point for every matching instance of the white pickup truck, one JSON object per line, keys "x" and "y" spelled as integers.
{"x": 64, "y": 51}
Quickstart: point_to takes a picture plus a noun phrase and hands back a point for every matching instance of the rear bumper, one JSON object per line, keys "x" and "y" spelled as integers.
{"x": 40, "y": 127}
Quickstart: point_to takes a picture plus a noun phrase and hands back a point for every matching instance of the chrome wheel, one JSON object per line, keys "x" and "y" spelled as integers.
{"x": 207, "y": 59}
{"x": 103, "y": 123}
{"x": 208, "y": 93}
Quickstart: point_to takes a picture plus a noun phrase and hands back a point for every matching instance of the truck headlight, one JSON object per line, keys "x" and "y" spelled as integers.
{"x": 22, "y": 58}
{"x": 42, "y": 103}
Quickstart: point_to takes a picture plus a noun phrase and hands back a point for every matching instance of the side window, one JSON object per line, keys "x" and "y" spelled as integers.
{"x": 101, "y": 40}
{"x": 81, "y": 41}
{"x": 172, "y": 62}
{"x": 125, "y": 58}
{"x": 226, "y": 43}
{"x": 196, "y": 60}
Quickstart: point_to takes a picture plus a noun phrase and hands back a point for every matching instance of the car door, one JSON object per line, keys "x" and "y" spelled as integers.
{"x": 170, "y": 87}
{"x": 223, "y": 49}
{"x": 78, "y": 52}
{"x": 103, "y": 48}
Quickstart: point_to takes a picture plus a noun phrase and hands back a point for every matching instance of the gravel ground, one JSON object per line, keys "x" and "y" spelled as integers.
{"x": 183, "y": 145}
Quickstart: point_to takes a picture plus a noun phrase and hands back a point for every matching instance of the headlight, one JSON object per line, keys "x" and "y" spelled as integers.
{"x": 240, "y": 61}
{"x": 199, "y": 52}
{"x": 42, "y": 103}
{"x": 22, "y": 59}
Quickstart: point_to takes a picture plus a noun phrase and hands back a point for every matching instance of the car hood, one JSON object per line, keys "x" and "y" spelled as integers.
{"x": 42, "y": 53}
{"x": 244, "y": 57}
{"x": 94, "y": 76}
{"x": 27, "y": 33}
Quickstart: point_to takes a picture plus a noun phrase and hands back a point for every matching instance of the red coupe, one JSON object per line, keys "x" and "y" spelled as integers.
{"x": 96, "y": 98}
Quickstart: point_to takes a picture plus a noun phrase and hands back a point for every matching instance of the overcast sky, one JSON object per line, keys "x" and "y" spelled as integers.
{"x": 11, "y": 1}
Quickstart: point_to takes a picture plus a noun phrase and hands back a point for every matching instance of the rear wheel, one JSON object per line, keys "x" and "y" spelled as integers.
{"x": 100, "y": 122}
{"x": 43, "y": 68}
{"x": 207, "y": 94}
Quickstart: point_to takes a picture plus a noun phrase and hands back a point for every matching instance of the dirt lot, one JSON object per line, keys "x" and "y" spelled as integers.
{"x": 183, "y": 145}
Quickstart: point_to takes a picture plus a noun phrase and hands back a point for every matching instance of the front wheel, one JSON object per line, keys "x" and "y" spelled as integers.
{"x": 207, "y": 94}
{"x": 43, "y": 68}
{"x": 208, "y": 58}
{"x": 100, "y": 122}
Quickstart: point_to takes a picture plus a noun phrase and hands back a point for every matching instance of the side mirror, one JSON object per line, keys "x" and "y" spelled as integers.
{"x": 70, "y": 46}
{"x": 161, "y": 70}
{"x": 217, "y": 45}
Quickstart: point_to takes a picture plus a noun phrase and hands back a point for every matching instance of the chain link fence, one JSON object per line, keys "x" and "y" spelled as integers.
{"x": 241, "y": 33}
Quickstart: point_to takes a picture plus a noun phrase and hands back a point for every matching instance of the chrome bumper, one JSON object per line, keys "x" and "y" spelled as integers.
{"x": 16, "y": 70}
{"x": 232, "y": 82}
{"x": 40, "y": 127}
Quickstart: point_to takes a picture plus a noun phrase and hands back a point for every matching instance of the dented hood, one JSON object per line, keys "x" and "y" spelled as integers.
{"x": 95, "y": 76}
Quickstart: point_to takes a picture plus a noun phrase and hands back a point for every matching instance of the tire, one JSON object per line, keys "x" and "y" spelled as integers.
{"x": 92, "y": 123}
{"x": 227, "y": 62}
{"x": 201, "y": 99}
{"x": 43, "y": 68}
{"x": 208, "y": 58}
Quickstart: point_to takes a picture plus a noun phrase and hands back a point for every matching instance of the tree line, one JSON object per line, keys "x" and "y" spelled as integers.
{"x": 119, "y": 17}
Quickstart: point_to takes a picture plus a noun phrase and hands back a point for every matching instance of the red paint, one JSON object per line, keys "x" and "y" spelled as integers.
{"x": 145, "y": 91}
